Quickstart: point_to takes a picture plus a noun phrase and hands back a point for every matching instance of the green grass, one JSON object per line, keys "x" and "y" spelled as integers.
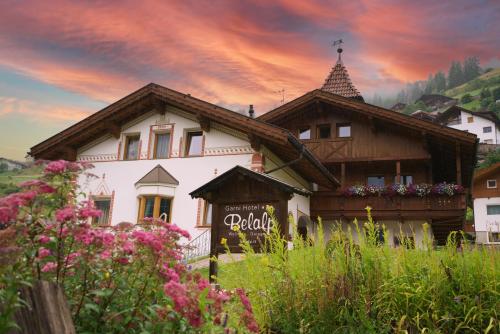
{"x": 341, "y": 287}
{"x": 22, "y": 175}
{"x": 473, "y": 105}
{"x": 11, "y": 179}
{"x": 467, "y": 87}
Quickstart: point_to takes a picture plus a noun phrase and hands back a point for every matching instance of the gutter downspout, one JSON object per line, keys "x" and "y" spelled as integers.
{"x": 289, "y": 163}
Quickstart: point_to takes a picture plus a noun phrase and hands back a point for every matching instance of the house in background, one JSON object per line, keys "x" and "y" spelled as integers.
{"x": 9, "y": 164}
{"x": 399, "y": 107}
{"x": 155, "y": 146}
{"x": 484, "y": 124}
{"x": 437, "y": 101}
{"x": 486, "y": 196}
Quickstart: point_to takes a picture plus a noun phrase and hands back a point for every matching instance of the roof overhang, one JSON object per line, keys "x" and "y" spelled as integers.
{"x": 220, "y": 180}
{"x": 109, "y": 120}
{"x": 387, "y": 115}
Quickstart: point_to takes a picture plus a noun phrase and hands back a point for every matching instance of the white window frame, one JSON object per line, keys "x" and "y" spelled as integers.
{"x": 488, "y": 184}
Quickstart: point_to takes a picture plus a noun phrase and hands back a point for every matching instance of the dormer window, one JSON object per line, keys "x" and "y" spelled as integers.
{"x": 194, "y": 143}
{"x": 305, "y": 133}
{"x": 344, "y": 130}
{"x": 131, "y": 147}
{"x": 323, "y": 131}
{"x": 491, "y": 184}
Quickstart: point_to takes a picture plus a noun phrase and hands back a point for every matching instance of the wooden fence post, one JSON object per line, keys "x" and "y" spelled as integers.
{"x": 46, "y": 310}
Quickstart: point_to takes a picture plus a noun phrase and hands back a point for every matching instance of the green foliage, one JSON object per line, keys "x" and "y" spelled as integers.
{"x": 439, "y": 82}
{"x": 471, "y": 68}
{"x": 485, "y": 93}
{"x": 490, "y": 159}
{"x": 466, "y": 98}
{"x": 415, "y": 106}
{"x": 455, "y": 75}
{"x": 3, "y": 167}
{"x": 367, "y": 287}
{"x": 496, "y": 94}
{"x": 485, "y": 103}
{"x": 116, "y": 280}
{"x": 469, "y": 215}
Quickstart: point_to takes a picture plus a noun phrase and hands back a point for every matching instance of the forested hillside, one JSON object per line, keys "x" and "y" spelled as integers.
{"x": 475, "y": 88}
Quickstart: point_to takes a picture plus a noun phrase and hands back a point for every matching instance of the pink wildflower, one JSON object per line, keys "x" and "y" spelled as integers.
{"x": 43, "y": 239}
{"x": 27, "y": 196}
{"x": 56, "y": 167}
{"x": 89, "y": 211}
{"x": 172, "y": 275}
{"x": 43, "y": 252}
{"x": 7, "y": 214}
{"x": 123, "y": 260}
{"x": 49, "y": 266}
{"x": 72, "y": 257}
{"x": 105, "y": 255}
{"x": 67, "y": 213}
{"x": 128, "y": 247}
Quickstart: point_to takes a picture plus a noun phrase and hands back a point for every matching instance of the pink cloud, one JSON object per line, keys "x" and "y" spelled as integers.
{"x": 35, "y": 110}
{"x": 232, "y": 52}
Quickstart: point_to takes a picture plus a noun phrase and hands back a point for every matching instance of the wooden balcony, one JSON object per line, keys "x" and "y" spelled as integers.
{"x": 332, "y": 205}
{"x": 328, "y": 150}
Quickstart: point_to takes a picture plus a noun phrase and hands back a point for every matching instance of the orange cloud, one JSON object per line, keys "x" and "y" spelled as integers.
{"x": 234, "y": 53}
{"x": 35, "y": 110}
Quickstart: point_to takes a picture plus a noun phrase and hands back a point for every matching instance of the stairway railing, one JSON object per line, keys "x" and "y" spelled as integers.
{"x": 198, "y": 247}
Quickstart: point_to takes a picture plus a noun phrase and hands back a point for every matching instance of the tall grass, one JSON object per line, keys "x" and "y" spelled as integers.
{"x": 369, "y": 287}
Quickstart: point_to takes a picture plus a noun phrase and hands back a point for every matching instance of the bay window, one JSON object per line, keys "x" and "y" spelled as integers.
{"x": 155, "y": 207}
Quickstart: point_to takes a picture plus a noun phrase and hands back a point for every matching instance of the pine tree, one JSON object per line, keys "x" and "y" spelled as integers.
{"x": 429, "y": 85}
{"x": 471, "y": 68}
{"x": 440, "y": 82}
{"x": 455, "y": 75}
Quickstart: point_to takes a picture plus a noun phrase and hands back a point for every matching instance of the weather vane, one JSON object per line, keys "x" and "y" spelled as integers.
{"x": 282, "y": 92}
{"x": 338, "y": 43}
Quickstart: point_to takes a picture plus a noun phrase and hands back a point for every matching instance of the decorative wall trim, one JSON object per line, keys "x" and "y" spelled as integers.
{"x": 98, "y": 157}
{"x": 208, "y": 151}
{"x": 228, "y": 150}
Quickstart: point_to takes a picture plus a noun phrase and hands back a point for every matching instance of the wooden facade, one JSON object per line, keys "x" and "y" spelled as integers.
{"x": 385, "y": 144}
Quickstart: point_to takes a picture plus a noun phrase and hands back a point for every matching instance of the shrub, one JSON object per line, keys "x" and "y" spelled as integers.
{"x": 367, "y": 287}
{"x": 466, "y": 99}
{"x": 124, "y": 280}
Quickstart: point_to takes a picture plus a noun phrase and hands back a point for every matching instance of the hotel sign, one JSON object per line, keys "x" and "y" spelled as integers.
{"x": 251, "y": 219}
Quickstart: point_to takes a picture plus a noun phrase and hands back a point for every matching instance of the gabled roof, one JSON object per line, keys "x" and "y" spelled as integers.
{"x": 456, "y": 110}
{"x": 152, "y": 96}
{"x": 480, "y": 173}
{"x": 370, "y": 110}
{"x": 158, "y": 175}
{"x": 338, "y": 82}
{"x": 431, "y": 99}
{"x": 239, "y": 170}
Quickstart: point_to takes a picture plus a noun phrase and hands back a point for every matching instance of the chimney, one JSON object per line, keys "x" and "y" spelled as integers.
{"x": 251, "y": 113}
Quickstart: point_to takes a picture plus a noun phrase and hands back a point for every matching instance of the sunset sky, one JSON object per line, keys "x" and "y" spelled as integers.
{"x": 61, "y": 61}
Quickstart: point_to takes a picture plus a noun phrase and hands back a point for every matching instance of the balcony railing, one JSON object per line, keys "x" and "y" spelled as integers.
{"x": 334, "y": 205}
{"x": 330, "y": 149}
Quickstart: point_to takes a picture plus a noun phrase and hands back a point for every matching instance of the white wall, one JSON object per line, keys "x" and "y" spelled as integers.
{"x": 393, "y": 228}
{"x": 223, "y": 150}
{"x": 483, "y": 222}
{"x": 476, "y": 127}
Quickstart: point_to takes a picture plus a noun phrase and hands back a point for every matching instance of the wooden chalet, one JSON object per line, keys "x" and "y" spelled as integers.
{"x": 364, "y": 144}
